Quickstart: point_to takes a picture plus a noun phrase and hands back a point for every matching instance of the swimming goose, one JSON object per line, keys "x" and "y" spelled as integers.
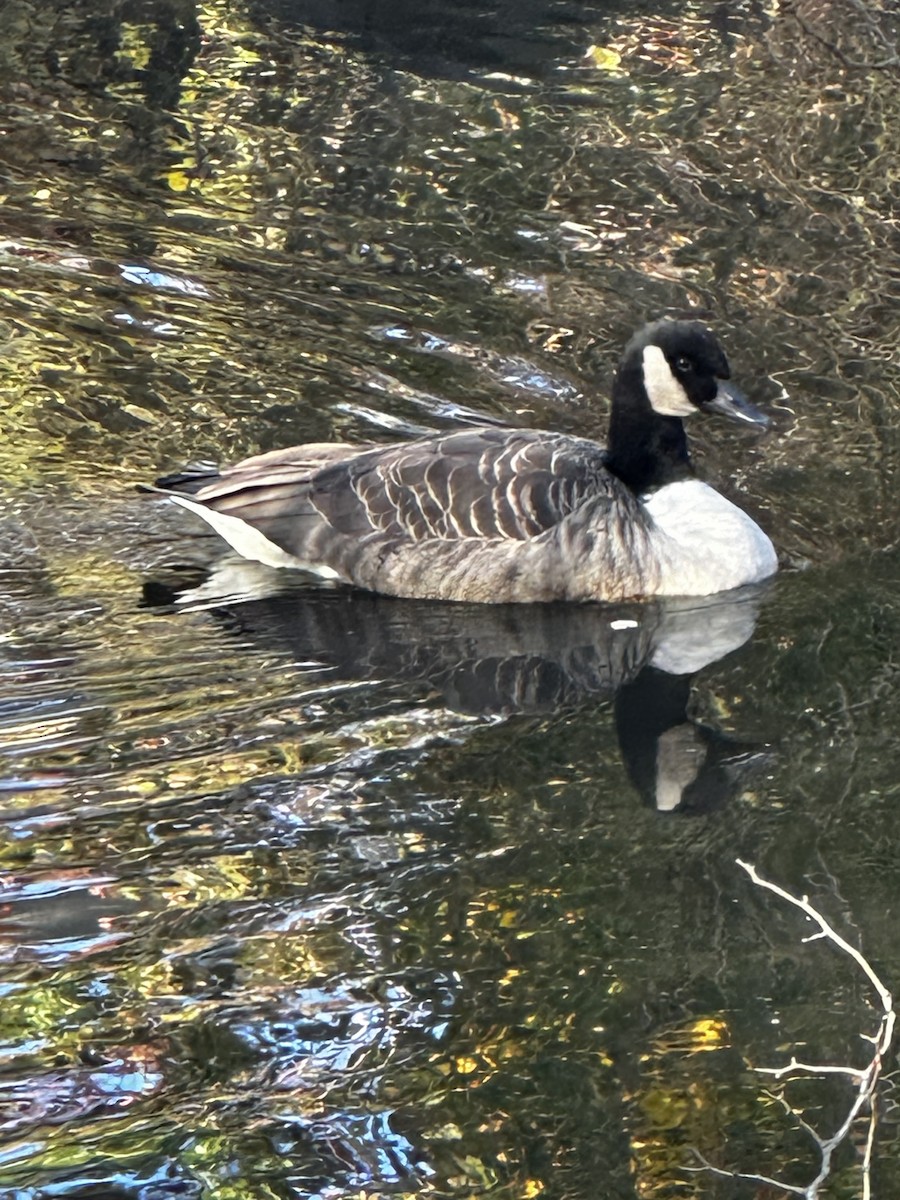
{"x": 503, "y": 515}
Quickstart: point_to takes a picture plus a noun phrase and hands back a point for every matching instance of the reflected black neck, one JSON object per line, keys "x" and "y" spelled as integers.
{"x": 644, "y": 449}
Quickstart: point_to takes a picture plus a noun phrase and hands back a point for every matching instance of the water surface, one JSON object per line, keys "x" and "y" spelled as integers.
{"x": 315, "y": 894}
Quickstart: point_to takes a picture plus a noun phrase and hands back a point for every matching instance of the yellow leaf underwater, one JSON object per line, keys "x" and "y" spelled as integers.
{"x": 603, "y": 58}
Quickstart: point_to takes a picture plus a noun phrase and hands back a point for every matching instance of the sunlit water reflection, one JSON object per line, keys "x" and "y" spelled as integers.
{"x": 308, "y": 893}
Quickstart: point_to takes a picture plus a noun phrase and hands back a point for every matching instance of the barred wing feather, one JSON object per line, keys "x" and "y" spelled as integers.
{"x": 490, "y": 484}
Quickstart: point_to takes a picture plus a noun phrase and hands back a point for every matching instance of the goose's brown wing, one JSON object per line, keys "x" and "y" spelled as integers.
{"x": 483, "y": 483}
{"x": 486, "y": 483}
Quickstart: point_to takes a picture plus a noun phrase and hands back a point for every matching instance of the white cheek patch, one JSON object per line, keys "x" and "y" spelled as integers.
{"x": 666, "y": 394}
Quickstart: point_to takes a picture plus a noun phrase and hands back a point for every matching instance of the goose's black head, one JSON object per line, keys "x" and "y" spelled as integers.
{"x": 669, "y": 370}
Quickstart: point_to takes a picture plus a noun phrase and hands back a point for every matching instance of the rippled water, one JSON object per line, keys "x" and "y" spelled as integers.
{"x": 309, "y": 893}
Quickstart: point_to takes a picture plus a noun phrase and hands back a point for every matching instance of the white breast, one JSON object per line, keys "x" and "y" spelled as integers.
{"x": 705, "y": 543}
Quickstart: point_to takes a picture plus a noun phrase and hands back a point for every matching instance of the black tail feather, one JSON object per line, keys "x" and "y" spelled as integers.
{"x": 190, "y": 480}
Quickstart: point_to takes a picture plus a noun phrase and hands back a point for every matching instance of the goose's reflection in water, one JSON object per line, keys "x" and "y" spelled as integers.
{"x": 522, "y": 658}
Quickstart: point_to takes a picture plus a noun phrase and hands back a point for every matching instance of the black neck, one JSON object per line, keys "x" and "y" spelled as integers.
{"x": 644, "y": 449}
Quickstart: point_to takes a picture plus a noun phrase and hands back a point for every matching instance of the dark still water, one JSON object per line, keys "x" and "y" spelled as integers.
{"x": 310, "y": 893}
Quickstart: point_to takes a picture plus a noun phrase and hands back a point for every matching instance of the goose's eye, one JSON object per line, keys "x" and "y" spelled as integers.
{"x": 683, "y": 364}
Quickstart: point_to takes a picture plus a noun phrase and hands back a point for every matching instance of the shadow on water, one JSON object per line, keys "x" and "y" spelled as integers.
{"x": 320, "y": 895}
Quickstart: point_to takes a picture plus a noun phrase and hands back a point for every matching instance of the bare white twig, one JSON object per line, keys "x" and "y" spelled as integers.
{"x": 825, "y": 931}
{"x": 810, "y": 1069}
{"x": 865, "y": 1079}
{"x": 745, "y": 1176}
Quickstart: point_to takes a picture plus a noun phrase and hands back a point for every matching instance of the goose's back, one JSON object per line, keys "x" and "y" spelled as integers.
{"x": 489, "y": 484}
